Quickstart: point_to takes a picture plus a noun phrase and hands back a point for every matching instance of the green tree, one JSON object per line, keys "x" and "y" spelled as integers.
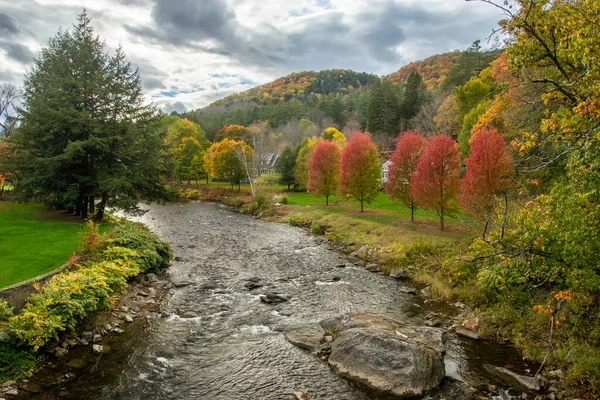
{"x": 186, "y": 152}
{"x": 547, "y": 264}
{"x": 382, "y": 108}
{"x": 85, "y": 132}
{"x": 286, "y": 164}
{"x": 415, "y": 94}
{"x": 303, "y": 160}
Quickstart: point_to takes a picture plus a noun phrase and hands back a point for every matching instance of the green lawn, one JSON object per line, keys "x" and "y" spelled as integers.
{"x": 381, "y": 203}
{"x": 34, "y": 241}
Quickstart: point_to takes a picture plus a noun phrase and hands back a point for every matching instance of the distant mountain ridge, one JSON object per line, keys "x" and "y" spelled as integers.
{"x": 297, "y": 85}
{"x": 436, "y": 71}
{"x": 433, "y": 70}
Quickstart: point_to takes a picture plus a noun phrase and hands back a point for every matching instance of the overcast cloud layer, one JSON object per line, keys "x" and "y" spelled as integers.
{"x": 192, "y": 52}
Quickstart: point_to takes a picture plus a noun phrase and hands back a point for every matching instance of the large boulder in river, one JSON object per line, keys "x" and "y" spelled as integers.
{"x": 387, "y": 355}
{"x": 306, "y": 337}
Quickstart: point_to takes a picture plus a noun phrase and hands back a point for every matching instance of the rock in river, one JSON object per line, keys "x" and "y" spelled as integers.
{"x": 387, "y": 355}
{"x": 271, "y": 298}
{"x": 399, "y": 274}
{"x": 306, "y": 337}
{"x": 510, "y": 378}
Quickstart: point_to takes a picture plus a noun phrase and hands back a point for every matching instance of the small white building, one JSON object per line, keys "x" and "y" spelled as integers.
{"x": 267, "y": 162}
{"x": 385, "y": 170}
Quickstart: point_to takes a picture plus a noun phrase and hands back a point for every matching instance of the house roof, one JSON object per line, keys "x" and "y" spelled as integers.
{"x": 268, "y": 160}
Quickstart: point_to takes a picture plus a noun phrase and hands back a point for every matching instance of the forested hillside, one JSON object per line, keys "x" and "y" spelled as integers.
{"x": 347, "y": 99}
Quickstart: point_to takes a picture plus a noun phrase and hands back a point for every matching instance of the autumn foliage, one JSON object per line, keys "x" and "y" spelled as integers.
{"x": 233, "y": 132}
{"x": 223, "y": 162}
{"x": 436, "y": 182}
{"x": 488, "y": 174}
{"x": 360, "y": 173}
{"x": 324, "y": 169}
{"x": 403, "y": 166}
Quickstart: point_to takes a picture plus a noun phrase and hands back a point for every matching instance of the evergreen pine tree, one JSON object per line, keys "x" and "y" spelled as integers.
{"x": 85, "y": 131}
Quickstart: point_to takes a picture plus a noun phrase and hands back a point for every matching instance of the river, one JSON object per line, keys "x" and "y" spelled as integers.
{"x": 234, "y": 348}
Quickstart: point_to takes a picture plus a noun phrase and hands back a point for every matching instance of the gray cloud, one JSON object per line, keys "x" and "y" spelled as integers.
{"x": 211, "y": 26}
{"x": 177, "y": 106}
{"x": 150, "y": 83}
{"x": 8, "y": 25}
{"x": 17, "y": 52}
{"x": 247, "y": 41}
{"x": 190, "y": 22}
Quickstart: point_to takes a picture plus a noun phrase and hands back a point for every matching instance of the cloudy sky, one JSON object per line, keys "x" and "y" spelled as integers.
{"x": 192, "y": 52}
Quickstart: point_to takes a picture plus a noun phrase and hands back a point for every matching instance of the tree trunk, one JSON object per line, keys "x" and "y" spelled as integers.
{"x": 485, "y": 228}
{"x": 505, "y": 214}
{"x": 92, "y": 205}
{"x": 442, "y": 220}
{"x": 326, "y": 199}
{"x": 84, "y": 207}
{"x": 412, "y": 212}
{"x": 361, "y": 206}
{"x": 102, "y": 206}
{"x": 78, "y": 207}
{"x": 239, "y": 187}
{"x": 207, "y": 179}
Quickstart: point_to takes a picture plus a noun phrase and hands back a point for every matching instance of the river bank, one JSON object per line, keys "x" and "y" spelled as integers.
{"x": 77, "y": 307}
{"x": 215, "y": 337}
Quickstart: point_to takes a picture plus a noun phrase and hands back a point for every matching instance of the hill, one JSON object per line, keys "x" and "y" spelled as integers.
{"x": 299, "y": 85}
{"x": 433, "y": 70}
{"x": 449, "y": 69}
{"x": 340, "y": 97}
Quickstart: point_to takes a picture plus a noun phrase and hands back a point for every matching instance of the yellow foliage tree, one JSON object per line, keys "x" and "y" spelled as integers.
{"x": 335, "y": 135}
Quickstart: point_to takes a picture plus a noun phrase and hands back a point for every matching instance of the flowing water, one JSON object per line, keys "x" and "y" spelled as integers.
{"x": 234, "y": 348}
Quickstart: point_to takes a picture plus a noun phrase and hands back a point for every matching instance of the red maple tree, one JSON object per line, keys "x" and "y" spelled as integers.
{"x": 324, "y": 169}
{"x": 361, "y": 173}
{"x": 436, "y": 182}
{"x": 403, "y": 165}
{"x": 488, "y": 175}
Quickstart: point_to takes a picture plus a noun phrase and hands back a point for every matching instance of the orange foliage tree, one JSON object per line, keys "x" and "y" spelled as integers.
{"x": 324, "y": 169}
{"x": 488, "y": 174}
{"x": 233, "y": 132}
{"x": 436, "y": 182}
{"x": 360, "y": 173}
{"x": 404, "y": 163}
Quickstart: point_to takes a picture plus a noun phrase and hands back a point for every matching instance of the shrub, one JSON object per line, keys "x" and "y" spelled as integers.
{"x": 237, "y": 203}
{"x": 152, "y": 253}
{"x": 73, "y": 295}
{"x": 419, "y": 249}
{"x": 259, "y": 204}
{"x": 16, "y": 363}
{"x": 317, "y": 229}
{"x": 6, "y": 311}
{"x": 284, "y": 200}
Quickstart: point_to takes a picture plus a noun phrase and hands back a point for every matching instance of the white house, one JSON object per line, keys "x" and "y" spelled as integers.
{"x": 267, "y": 162}
{"x": 385, "y": 170}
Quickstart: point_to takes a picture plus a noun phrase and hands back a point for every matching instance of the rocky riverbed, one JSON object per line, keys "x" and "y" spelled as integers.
{"x": 238, "y": 288}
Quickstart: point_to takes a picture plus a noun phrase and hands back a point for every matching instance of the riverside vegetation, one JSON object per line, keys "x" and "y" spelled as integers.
{"x": 91, "y": 284}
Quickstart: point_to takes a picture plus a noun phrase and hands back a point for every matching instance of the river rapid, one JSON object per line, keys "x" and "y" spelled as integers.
{"x": 234, "y": 347}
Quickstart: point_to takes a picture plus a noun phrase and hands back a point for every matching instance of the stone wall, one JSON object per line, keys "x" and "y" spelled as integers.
{"x": 18, "y": 293}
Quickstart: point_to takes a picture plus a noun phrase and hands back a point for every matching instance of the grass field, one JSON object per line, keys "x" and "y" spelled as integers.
{"x": 34, "y": 241}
